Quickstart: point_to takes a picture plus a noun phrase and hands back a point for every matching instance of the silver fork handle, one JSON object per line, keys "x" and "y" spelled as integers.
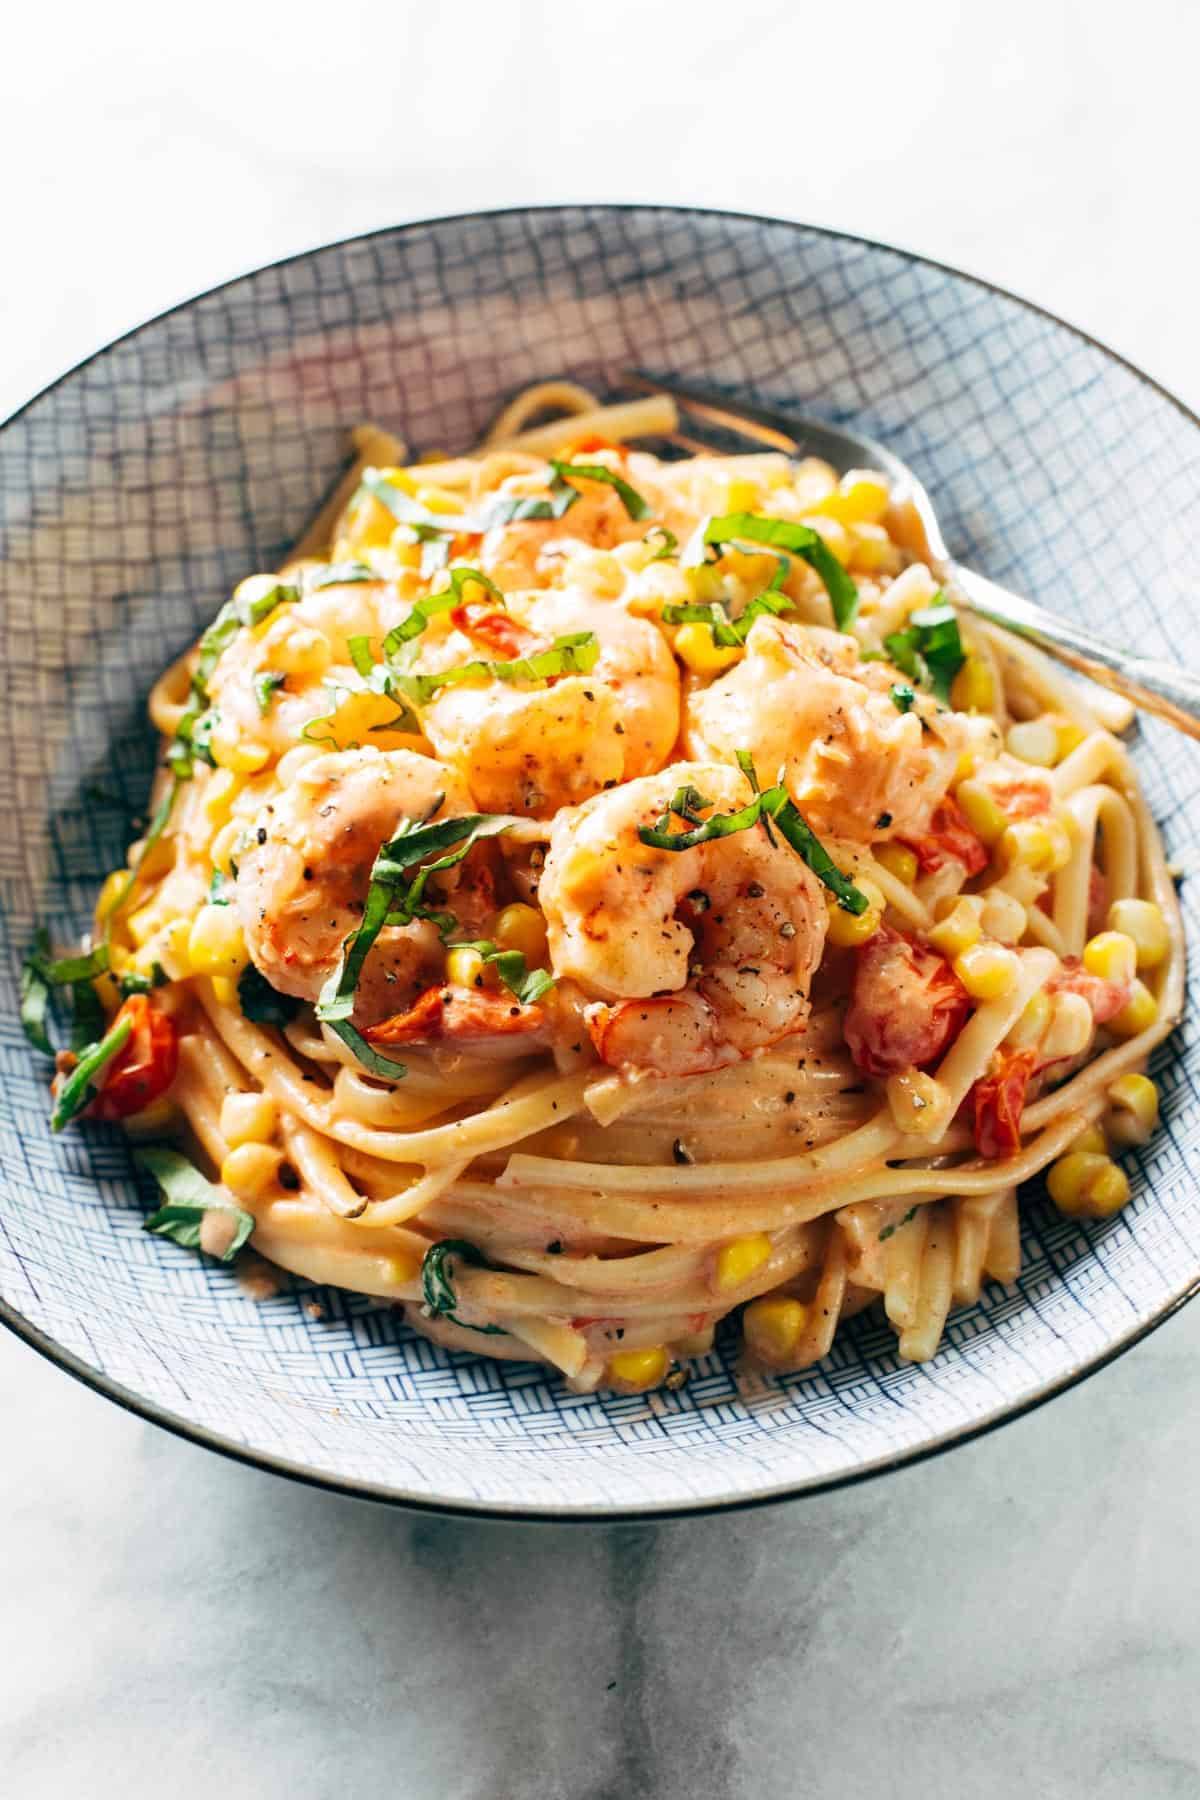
{"x": 1172, "y": 694}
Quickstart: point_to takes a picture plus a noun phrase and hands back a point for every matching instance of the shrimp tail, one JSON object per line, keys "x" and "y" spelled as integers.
{"x": 467, "y": 1017}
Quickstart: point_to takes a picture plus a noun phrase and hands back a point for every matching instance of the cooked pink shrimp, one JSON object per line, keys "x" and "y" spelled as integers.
{"x": 694, "y": 958}
{"x": 801, "y": 701}
{"x": 529, "y": 553}
{"x": 302, "y": 881}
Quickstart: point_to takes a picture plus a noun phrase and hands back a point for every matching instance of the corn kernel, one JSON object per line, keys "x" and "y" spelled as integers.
{"x": 1034, "y": 741}
{"x": 223, "y": 846}
{"x": 1070, "y": 1029}
{"x": 302, "y": 650}
{"x": 1083, "y": 1185}
{"x": 1030, "y": 1028}
{"x": 248, "y": 1119}
{"x": 403, "y": 550}
{"x": 872, "y": 550}
{"x": 833, "y": 535}
{"x": 464, "y": 967}
{"x": 1069, "y": 736}
{"x": 168, "y": 948}
{"x": 862, "y": 496}
{"x": 216, "y": 945}
{"x": 981, "y": 812}
{"x": 401, "y": 1268}
{"x": 1003, "y": 917}
{"x": 705, "y": 582}
{"x": 244, "y": 756}
{"x": 1138, "y": 1013}
{"x": 1142, "y": 920}
{"x": 224, "y": 989}
{"x": 1031, "y": 844}
{"x": 960, "y": 927}
{"x": 367, "y": 522}
{"x": 522, "y": 928}
{"x": 742, "y": 495}
{"x": 919, "y": 1105}
{"x": 220, "y": 791}
{"x": 772, "y": 1326}
{"x": 1112, "y": 956}
{"x": 251, "y": 1170}
{"x": 438, "y": 499}
{"x": 636, "y": 1370}
{"x": 114, "y": 886}
{"x": 1132, "y": 1110}
{"x": 737, "y": 1262}
{"x": 698, "y": 649}
{"x": 846, "y": 929}
{"x": 987, "y": 971}
{"x": 974, "y": 687}
{"x": 1091, "y": 1140}
{"x": 898, "y": 861}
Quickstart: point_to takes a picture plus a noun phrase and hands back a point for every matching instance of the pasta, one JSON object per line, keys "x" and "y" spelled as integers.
{"x": 590, "y": 895}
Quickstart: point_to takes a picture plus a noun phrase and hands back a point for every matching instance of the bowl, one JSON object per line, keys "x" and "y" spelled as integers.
{"x": 138, "y": 488}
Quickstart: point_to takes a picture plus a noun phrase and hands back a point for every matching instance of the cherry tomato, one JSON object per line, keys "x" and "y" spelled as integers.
{"x": 906, "y": 1005}
{"x": 1000, "y": 1100}
{"x": 948, "y": 839}
{"x": 145, "y": 1068}
{"x": 497, "y": 630}
{"x": 1106, "y": 998}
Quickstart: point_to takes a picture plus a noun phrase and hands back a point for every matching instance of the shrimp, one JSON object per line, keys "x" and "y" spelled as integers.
{"x": 533, "y": 749}
{"x": 801, "y": 701}
{"x": 690, "y": 959}
{"x": 528, "y": 553}
{"x": 303, "y": 652}
{"x": 301, "y": 884}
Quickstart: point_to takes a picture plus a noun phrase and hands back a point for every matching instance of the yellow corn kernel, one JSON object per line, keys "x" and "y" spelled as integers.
{"x": 464, "y": 967}
{"x": 1031, "y": 844}
{"x": 637, "y": 1370}
{"x": 243, "y": 756}
{"x": 520, "y": 927}
{"x": 737, "y": 1262}
{"x": 145, "y": 922}
{"x": 772, "y": 1326}
{"x": 224, "y": 989}
{"x": 363, "y": 719}
{"x": 1069, "y": 735}
{"x": 248, "y": 1119}
{"x": 872, "y": 550}
{"x": 168, "y": 948}
{"x": 403, "y": 550}
{"x": 1030, "y": 1027}
{"x": 959, "y": 927}
{"x": 401, "y": 1268}
{"x": 1143, "y": 921}
{"x": 897, "y": 861}
{"x": 1083, "y": 1185}
{"x": 974, "y": 687}
{"x": 114, "y": 886}
{"x": 251, "y": 1170}
{"x": 223, "y": 845}
{"x": 705, "y": 582}
{"x": 846, "y": 929}
{"x": 1091, "y": 1140}
{"x": 1034, "y": 741}
{"x": 833, "y": 534}
{"x": 987, "y": 971}
{"x": 981, "y": 812}
{"x": 438, "y": 499}
{"x": 300, "y": 651}
{"x": 1003, "y": 917}
{"x": 1070, "y": 1029}
{"x": 367, "y": 524}
{"x": 1112, "y": 956}
{"x": 698, "y": 649}
{"x": 964, "y": 768}
{"x": 741, "y": 494}
{"x": 919, "y": 1105}
{"x": 220, "y": 791}
{"x": 1132, "y": 1114}
{"x": 861, "y": 497}
{"x": 1138, "y": 1013}
{"x": 216, "y": 945}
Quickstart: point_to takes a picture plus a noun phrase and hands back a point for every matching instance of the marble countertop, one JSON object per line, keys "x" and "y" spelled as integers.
{"x": 1018, "y": 1616}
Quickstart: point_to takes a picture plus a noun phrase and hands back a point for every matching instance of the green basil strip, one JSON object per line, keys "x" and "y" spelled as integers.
{"x": 406, "y": 511}
{"x": 630, "y": 499}
{"x": 526, "y": 984}
{"x": 668, "y": 549}
{"x": 266, "y": 685}
{"x": 726, "y": 631}
{"x": 76, "y": 1091}
{"x": 189, "y": 1196}
{"x": 805, "y": 842}
{"x": 338, "y": 575}
{"x": 929, "y": 649}
{"x": 370, "y": 1058}
{"x": 514, "y": 512}
{"x": 131, "y": 982}
{"x": 718, "y": 826}
{"x": 443, "y": 601}
{"x": 67, "y": 970}
{"x": 575, "y": 654}
{"x": 35, "y": 994}
{"x": 799, "y": 540}
{"x": 158, "y": 825}
{"x": 87, "y": 1016}
{"x": 438, "y": 1288}
{"x": 261, "y": 1003}
{"x": 901, "y": 696}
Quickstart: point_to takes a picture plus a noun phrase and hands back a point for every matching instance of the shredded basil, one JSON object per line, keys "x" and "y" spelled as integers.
{"x": 726, "y": 631}
{"x": 443, "y": 601}
{"x": 901, "y": 696}
{"x": 406, "y": 511}
{"x": 266, "y": 685}
{"x": 76, "y": 1091}
{"x": 891, "y": 1230}
{"x": 631, "y": 500}
{"x": 929, "y": 650}
{"x": 189, "y": 1196}
{"x": 35, "y": 994}
{"x": 261, "y": 1003}
{"x": 438, "y": 1288}
{"x": 133, "y": 983}
{"x": 668, "y": 550}
{"x": 563, "y": 495}
{"x": 87, "y": 1016}
{"x": 42, "y": 973}
{"x": 799, "y": 540}
{"x": 575, "y": 654}
{"x": 338, "y": 575}
{"x": 370, "y": 1058}
{"x": 526, "y": 984}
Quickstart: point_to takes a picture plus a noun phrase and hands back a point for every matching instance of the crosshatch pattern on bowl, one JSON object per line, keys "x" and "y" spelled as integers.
{"x": 140, "y": 488}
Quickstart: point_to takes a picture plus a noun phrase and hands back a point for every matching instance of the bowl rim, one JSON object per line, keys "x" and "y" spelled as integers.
{"x": 603, "y": 1513}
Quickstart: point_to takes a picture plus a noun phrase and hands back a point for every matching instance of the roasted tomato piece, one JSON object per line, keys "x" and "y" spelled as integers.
{"x": 1000, "y": 1100}
{"x": 906, "y": 1005}
{"x": 949, "y": 839}
{"x": 144, "y": 1069}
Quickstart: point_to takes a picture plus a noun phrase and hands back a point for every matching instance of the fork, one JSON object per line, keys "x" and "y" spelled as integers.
{"x": 1170, "y": 693}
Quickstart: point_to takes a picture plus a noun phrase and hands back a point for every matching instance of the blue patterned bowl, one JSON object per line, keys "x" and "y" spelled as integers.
{"x": 142, "y": 485}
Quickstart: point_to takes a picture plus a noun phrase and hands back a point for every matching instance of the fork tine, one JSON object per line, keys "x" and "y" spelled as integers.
{"x": 709, "y": 408}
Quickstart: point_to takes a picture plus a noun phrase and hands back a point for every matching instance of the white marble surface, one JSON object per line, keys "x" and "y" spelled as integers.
{"x": 1020, "y": 1616}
